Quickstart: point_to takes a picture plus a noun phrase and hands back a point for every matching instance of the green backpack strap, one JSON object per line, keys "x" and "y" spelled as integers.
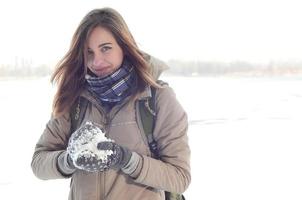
{"x": 77, "y": 113}
{"x": 148, "y": 118}
{"x": 147, "y": 112}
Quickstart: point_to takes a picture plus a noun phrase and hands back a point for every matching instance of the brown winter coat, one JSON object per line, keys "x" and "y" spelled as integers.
{"x": 171, "y": 173}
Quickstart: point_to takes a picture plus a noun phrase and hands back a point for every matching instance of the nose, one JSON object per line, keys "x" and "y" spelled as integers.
{"x": 98, "y": 60}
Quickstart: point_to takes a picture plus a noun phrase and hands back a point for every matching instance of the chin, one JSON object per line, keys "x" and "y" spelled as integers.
{"x": 104, "y": 74}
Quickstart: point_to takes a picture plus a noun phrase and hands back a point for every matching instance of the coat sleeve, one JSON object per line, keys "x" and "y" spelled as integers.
{"x": 172, "y": 171}
{"x": 51, "y": 144}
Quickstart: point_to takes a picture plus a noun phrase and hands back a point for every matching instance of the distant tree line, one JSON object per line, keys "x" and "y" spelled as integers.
{"x": 23, "y": 67}
{"x": 177, "y": 67}
{"x": 198, "y": 68}
{"x": 24, "y": 71}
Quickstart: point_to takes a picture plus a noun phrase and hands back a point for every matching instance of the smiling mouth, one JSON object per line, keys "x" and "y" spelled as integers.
{"x": 102, "y": 71}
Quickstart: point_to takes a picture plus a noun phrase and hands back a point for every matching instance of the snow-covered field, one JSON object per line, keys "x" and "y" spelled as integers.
{"x": 245, "y": 136}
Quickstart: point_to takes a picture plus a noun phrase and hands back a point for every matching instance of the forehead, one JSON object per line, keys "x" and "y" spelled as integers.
{"x": 100, "y": 35}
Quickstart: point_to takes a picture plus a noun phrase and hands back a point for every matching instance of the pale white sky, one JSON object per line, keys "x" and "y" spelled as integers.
{"x": 206, "y": 30}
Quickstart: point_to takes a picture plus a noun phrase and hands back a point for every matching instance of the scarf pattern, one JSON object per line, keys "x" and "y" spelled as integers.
{"x": 114, "y": 87}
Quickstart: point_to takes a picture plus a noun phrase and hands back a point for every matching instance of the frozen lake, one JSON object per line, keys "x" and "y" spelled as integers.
{"x": 245, "y": 136}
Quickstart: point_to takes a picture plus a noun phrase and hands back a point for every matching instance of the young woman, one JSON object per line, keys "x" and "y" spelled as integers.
{"x": 105, "y": 67}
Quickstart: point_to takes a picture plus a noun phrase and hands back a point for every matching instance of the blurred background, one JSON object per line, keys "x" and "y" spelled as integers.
{"x": 235, "y": 65}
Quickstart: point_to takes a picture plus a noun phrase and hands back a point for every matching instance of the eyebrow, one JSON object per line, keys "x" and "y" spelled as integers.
{"x": 103, "y": 44}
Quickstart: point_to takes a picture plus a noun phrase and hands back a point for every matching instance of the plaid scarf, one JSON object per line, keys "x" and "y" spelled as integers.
{"x": 114, "y": 87}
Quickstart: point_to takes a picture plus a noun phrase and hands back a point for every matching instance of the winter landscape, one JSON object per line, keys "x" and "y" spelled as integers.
{"x": 245, "y": 137}
{"x": 235, "y": 66}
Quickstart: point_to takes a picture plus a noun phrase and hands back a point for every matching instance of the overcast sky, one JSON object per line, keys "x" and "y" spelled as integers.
{"x": 206, "y": 30}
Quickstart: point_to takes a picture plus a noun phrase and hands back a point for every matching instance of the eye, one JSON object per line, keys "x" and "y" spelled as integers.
{"x": 105, "y": 48}
{"x": 89, "y": 52}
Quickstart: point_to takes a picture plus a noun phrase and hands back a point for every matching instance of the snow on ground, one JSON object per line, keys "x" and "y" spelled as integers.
{"x": 245, "y": 138}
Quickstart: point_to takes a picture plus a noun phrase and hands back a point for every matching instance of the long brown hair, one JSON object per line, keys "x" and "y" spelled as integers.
{"x": 70, "y": 71}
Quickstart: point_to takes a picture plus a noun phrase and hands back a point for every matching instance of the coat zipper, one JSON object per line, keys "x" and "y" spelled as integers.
{"x": 104, "y": 182}
{"x": 108, "y": 117}
{"x": 98, "y": 192}
{"x": 101, "y": 192}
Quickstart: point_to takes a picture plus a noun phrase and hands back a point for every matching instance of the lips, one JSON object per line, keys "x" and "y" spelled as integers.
{"x": 102, "y": 71}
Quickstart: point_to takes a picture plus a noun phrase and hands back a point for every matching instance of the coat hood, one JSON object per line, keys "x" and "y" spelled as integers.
{"x": 157, "y": 65}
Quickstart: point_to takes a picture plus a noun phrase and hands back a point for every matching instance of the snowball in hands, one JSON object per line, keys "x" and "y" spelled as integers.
{"x": 83, "y": 150}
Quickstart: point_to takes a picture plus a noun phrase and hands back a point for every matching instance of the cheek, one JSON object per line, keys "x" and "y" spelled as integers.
{"x": 89, "y": 63}
{"x": 118, "y": 64}
{"x": 117, "y": 60}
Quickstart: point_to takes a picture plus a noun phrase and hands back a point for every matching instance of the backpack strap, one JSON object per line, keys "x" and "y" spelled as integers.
{"x": 147, "y": 112}
{"x": 148, "y": 117}
{"x": 77, "y": 113}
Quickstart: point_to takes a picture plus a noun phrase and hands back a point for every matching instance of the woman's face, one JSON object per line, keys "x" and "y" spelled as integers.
{"x": 104, "y": 55}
